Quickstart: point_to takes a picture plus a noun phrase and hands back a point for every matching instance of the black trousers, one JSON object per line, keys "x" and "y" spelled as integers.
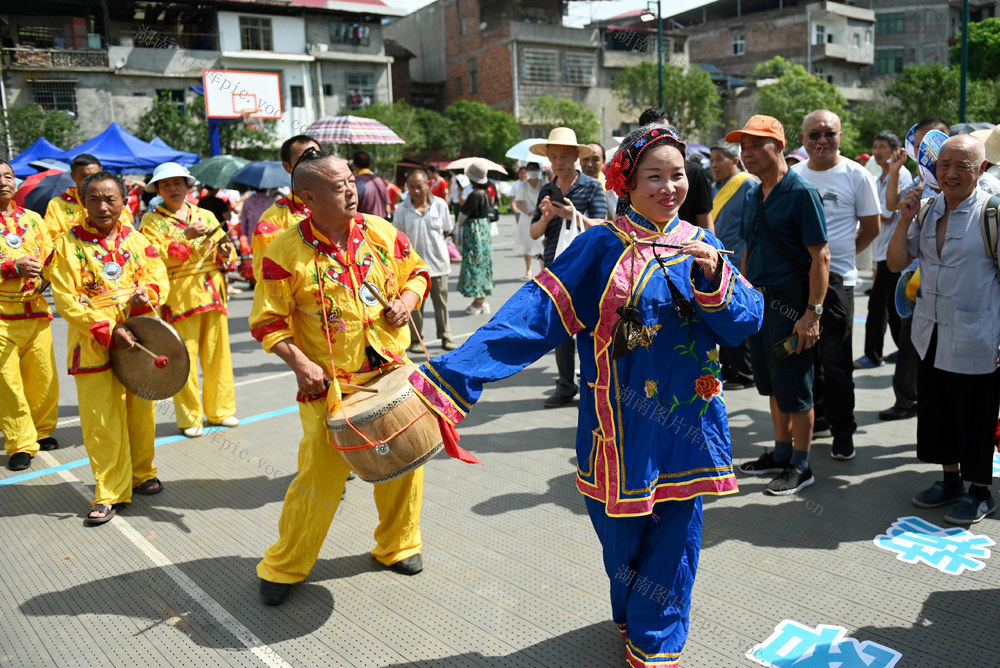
{"x": 566, "y": 365}
{"x": 833, "y": 385}
{"x": 881, "y": 311}
{"x": 735, "y": 362}
{"x": 957, "y": 417}
{"x": 904, "y": 376}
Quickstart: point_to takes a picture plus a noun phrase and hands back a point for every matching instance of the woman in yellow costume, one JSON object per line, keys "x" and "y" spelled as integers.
{"x": 103, "y": 272}
{"x": 197, "y": 253}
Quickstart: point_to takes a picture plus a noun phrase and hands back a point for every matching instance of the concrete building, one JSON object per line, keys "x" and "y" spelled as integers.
{"x": 107, "y": 62}
{"x": 830, "y": 39}
{"x": 504, "y": 53}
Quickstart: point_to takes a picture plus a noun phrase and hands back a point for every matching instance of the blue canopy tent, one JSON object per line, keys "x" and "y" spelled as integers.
{"x": 40, "y": 150}
{"x": 189, "y": 158}
{"x": 121, "y": 152}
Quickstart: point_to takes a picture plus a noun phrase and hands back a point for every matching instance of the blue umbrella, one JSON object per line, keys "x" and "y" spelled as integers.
{"x": 263, "y": 174}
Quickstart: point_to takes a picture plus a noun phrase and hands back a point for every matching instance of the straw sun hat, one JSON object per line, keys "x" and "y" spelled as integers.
{"x": 562, "y": 137}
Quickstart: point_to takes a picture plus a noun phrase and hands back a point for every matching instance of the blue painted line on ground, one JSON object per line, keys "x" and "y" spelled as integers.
{"x": 157, "y": 443}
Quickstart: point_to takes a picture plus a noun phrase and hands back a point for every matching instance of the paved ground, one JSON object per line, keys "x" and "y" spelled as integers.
{"x": 513, "y": 571}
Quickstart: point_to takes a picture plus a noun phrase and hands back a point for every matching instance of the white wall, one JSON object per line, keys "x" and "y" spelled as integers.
{"x": 288, "y": 32}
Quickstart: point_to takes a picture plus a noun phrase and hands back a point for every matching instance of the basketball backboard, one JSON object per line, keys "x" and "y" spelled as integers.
{"x": 232, "y": 93}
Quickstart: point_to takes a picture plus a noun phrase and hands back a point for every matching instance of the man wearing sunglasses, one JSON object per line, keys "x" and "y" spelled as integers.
{"x": 851, "y": 204}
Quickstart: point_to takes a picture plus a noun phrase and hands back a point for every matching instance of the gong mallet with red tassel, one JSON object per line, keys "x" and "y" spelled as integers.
{"x": 161, "y": 361}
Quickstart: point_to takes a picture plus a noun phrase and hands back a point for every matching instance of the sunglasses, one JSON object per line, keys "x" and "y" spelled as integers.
{"x": 829, "y": 134}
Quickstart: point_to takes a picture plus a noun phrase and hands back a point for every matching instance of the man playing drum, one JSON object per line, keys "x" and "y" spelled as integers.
{"x": 311, "y": 309}
{"x": 29, "y": 387}
{"x": 103, "y": 272}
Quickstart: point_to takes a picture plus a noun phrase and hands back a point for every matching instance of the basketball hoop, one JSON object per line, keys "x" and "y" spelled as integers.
{"x": 252, "y": 124}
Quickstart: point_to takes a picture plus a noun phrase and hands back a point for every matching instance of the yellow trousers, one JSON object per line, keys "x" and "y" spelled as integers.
{"x": 206, "y": 335}
{"x": 312, "y": 500}
{"x": 118, "y": 431}
{"x": 29, "y": 386}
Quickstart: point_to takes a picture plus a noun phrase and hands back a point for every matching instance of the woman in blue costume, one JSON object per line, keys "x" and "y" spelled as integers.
{"x": 652, "y": 435}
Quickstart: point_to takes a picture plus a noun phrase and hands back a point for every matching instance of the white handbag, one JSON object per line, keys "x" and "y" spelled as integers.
{"x": 567, "y": 232}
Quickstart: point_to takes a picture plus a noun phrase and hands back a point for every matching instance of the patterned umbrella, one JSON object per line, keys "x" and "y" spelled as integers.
{"x": 351, "y": 130}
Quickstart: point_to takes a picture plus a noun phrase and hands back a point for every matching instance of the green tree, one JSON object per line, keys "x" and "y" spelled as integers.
{"x": 171, "y": 123}
{"x": 27, "y": 123}
{"x": 794, "y": 95}
{"x": 483, "y": 131}
{"x": 691, "y": 96}
{"x": 932, "y": 90}
{"x": 772, "y": 69}
{"x": 549, "y": 111}
{"x": 984, "y": 49}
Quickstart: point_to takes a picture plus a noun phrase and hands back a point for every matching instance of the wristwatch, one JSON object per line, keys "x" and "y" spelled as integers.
{"x": 816, "y": 308}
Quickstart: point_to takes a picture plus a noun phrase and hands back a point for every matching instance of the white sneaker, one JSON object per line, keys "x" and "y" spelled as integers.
{"x": 192, "y": 432}
{"x": 230, "y": 422}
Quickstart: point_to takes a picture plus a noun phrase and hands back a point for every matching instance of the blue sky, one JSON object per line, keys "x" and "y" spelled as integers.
{"x": 581, "y": 13}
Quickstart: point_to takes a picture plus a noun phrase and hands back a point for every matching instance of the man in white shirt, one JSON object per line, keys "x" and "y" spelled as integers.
{"x": 881, "y": 306}
{"x": 851, "y": 205}
{"x": 425, "y": 220}
{"x": 956, "y": 331}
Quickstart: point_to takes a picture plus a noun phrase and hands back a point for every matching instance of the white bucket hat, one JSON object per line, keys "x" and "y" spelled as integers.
{"x": 169, "y": 170}
{"x": 477, "y": 171}
{"x": 991, "y": 138}
{"x": 562, "y": 137}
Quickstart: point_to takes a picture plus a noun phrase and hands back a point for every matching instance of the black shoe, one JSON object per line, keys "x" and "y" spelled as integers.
{"x": 896, "y": 413}
{"x": 19, "y": 461}
{"x": 274, "y": 593}
{"x": 730, "y": 385}
{"x": 843, "y": 448}
{"x": 556, "y": 400}
{"x": 763, "y": 464}
{"x": 409, "y": 566}
{"x": 48, "y": 443}
{"x": 789, "y": 482}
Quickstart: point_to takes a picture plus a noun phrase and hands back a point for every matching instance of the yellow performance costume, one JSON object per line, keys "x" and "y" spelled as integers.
{"x": 196, "y": 307}
{"x": 67, "y": 210}
{"x": 29, "y": 387}
{"x": 91, "y": 285}
{"x": 309, "y": 292}
{"x": 286, "y": 212}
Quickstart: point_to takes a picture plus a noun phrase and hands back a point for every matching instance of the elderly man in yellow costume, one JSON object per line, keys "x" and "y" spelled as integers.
{"x": 287, "y": 211}
{"x": 67, "y": 210}
{"x": 196, "y": 252}
{"x": 102, "y": 273}
{"x": 29, "y": 388}
{"x": 310, "y": 311}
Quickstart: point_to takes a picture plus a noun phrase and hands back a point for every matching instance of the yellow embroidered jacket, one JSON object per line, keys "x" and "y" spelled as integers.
{"x": 312, "y": 293}
{"x": 67, "y": 210}
{"x": 22, "y": 234}
{"x": 194, "y": 266}
{"x": 91, "y": 286}
{"x": 285, "y": 213}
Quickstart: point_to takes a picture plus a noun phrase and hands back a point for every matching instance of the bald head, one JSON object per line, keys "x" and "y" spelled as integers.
{"x": 820, "y": 115}
{"x": 326, "y": 186}
{"x": 960, "y": 163}
{"x": 308, "y": 172}
{"x": 971, "y": 148}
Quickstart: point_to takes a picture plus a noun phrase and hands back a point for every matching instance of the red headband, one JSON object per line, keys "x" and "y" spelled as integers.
{"x": 618, "y": 172}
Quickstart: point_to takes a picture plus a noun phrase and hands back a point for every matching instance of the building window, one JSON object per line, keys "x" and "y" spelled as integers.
{"x": 354, "y": 34}
{"x": 360, "y": 89}
{"x": 856, "y": 39}
{"x": 539, "y": 66}
{"x": 53, "y": 95}
{"x": 819, "y": 35}
{"x": 298, "y": 96}
{"x": 458, "y": 85}
{"x": 890, "y": 22}
{"x": 578, "y": 69}
{"x": 255, "y": 34}
{"x": 465, "y": 26}
{"x": 328, "y": 90}
{"x": 38, "y": 37}
{"x": 174, "y": 97}
{"x": 678, "y": 46}
{"x": 739, "y": 44}
{"x": 473, "y": 76}
{"x": 888, "y": 61}
{"x": 868, "y": 37}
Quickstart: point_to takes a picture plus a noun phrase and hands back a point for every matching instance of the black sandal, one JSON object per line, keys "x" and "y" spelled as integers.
{"x": 150, "y": 487}
{"x": 109, "y": 512}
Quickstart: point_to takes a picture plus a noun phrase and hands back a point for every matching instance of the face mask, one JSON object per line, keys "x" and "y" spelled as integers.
{"x": 533, "y": 174}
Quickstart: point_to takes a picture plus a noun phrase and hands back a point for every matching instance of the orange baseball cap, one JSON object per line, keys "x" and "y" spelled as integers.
{"x": 759, "y": 126}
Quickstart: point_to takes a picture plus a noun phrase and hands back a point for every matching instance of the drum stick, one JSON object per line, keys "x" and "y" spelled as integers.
{"x": 356, "y": 388}
{"x": 161, "y": 361}
{"x": 378, "y": 295}
{"x": 644, "y": 242}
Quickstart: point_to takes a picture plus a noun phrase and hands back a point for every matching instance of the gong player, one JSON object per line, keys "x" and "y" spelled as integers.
{"x": 29, "y": 387}
{"x": 102, "y": 272}
{"x": 309, "y": 311}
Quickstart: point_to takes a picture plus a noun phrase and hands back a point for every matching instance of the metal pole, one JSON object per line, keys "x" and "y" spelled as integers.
{"x": 965, "y": 61}
{"x": 659, "y": 48}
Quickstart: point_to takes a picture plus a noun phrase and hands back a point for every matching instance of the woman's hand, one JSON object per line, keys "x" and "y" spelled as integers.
{"x": 707, "y": 257}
